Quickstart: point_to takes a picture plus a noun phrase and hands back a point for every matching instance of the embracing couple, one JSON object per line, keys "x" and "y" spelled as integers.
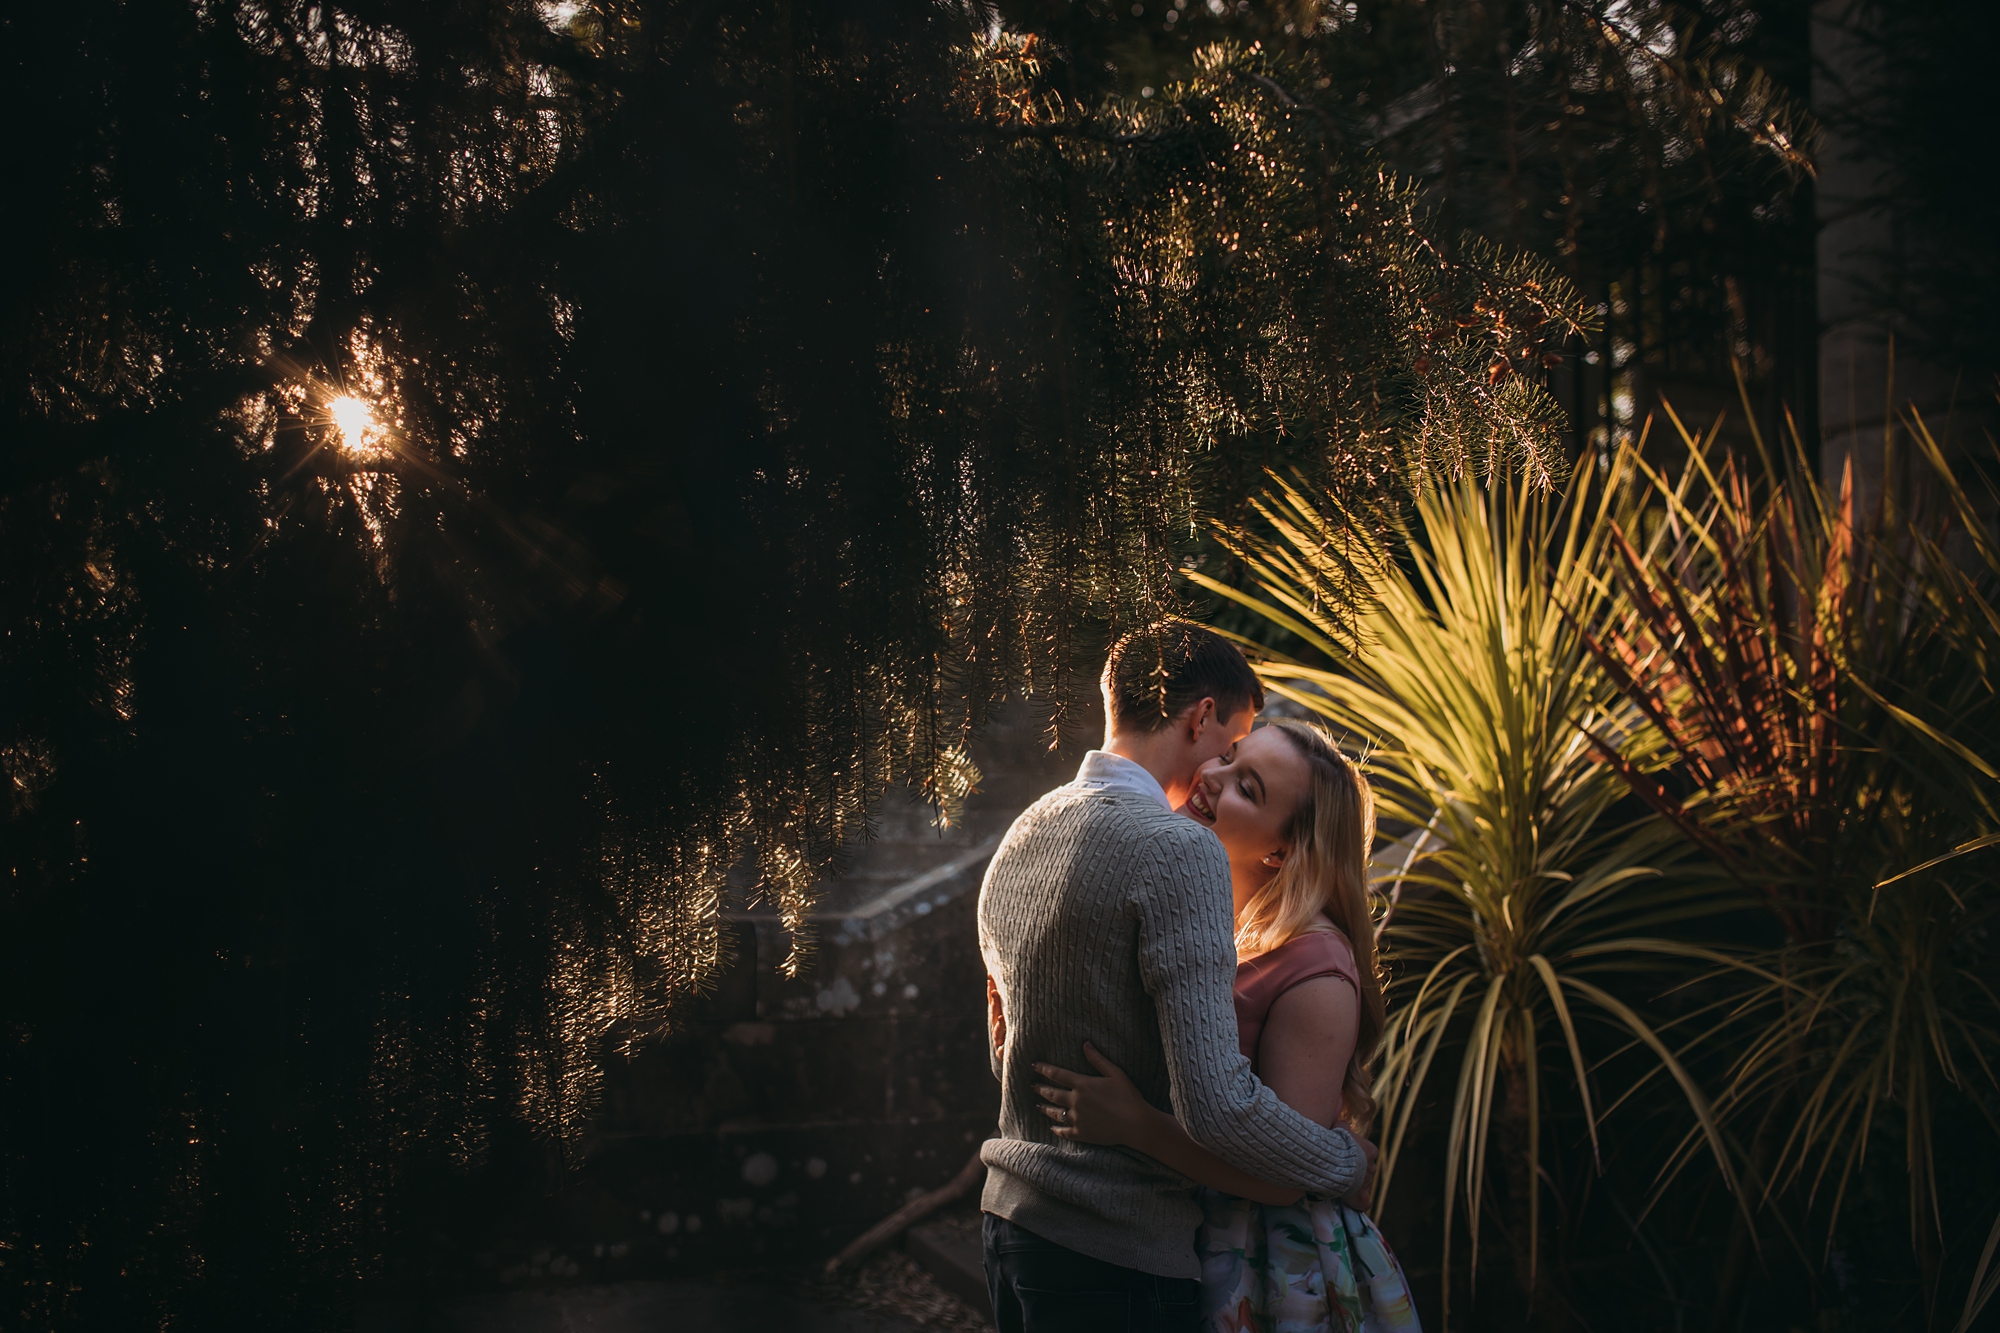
{"x": 1189, "y": 917}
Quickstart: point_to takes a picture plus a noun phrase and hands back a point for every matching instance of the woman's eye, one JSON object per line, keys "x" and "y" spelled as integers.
{"x": 1244, "y": 787}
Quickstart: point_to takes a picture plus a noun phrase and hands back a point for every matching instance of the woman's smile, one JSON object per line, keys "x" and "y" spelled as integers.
{"x": 1247, "y": 795}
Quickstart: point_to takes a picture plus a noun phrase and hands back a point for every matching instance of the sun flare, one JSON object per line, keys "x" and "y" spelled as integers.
{"x": 353, "y": 420}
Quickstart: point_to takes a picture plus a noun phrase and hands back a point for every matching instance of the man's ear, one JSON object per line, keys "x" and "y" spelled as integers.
{"x": 1200, "y": 715}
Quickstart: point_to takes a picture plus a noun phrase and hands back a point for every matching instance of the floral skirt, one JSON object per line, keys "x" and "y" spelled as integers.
{"x": 1309, "y": 1267}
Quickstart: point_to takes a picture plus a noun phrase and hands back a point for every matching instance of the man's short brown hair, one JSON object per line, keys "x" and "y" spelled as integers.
{"x": 1153, "y": 675}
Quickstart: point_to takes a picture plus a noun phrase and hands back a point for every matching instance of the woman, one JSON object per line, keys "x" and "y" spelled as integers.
{"x": 1297, "y": 821}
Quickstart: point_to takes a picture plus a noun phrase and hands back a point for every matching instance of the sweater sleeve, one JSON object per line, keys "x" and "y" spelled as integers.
{"x": 1188, "y": 966}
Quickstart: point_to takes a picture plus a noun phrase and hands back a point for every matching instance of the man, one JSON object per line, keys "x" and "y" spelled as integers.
{"x": 1105, "y": 917}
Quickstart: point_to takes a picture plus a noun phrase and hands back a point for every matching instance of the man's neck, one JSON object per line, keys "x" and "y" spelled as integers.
{"x": 1161, "y": 753}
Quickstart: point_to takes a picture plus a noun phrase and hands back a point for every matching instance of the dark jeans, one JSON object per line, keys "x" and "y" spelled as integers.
{"x": 1039, "y": 1286}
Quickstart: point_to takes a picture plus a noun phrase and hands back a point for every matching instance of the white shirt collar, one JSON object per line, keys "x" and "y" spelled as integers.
{"x": 1104, "y": 771}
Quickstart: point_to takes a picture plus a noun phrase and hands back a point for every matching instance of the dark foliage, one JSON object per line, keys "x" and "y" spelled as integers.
{"x": 1917, "y": 105}
{"x": 1654, "y": 153}
{"x": 756, "y": 393}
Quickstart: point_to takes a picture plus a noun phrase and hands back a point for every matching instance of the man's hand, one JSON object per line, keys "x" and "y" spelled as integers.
{"x": 1362, "y": 1196}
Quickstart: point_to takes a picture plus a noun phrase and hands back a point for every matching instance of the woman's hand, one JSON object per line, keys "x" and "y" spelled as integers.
{"x": 996, "y": 1018}
{"x": 1096, "y": 1110}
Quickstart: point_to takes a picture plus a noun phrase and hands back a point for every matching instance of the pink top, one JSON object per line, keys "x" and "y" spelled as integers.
{"x": 1259, "y": 982}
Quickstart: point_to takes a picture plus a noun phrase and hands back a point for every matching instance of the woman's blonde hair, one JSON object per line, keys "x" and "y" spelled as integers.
{"x": 1331, "y": 834}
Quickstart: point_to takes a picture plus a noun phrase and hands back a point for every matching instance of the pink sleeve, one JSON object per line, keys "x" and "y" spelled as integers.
{"x": 1316, "y": 953}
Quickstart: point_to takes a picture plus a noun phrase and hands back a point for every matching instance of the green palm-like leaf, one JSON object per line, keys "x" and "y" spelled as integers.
{"x": 1494, "y": 727}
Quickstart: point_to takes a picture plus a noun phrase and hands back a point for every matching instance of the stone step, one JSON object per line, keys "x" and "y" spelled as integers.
{"x": 950, "y": 1249}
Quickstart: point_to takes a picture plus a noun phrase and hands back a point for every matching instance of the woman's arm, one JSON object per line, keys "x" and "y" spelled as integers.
{"x": 1111, "y": 1110}
{"x": 996, "y": 1022}
{"x": 1307, "y": 1042}
{"x": 1166, "y": 1142}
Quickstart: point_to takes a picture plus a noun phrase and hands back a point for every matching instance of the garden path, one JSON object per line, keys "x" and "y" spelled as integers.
{"x": 713, "y": 1305}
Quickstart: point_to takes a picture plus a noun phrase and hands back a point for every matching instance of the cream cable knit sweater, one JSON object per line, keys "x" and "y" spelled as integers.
{"x": 1106, "y": 917}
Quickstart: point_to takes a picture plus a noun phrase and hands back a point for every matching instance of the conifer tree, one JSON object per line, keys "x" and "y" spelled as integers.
{"x": 1653, "y": 151}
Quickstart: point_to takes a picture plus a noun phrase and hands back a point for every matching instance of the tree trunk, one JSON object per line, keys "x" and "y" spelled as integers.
{"x": 1540, "y": 1308}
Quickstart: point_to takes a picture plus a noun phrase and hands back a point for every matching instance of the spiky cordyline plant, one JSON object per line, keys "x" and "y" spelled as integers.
{"x": 1721, "y": 639}
{"x": 1964, "y": 586}
{"x": 1814, "y": 665}
{"x": 1535, "y": 903}
{"x": 1959, "y": 578}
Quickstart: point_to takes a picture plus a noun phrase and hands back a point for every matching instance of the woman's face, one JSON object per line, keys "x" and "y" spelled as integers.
{"x": 1248, "y": 796}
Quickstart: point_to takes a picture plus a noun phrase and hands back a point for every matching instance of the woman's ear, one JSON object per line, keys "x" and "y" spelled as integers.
{"x": 1276, "y": 859}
